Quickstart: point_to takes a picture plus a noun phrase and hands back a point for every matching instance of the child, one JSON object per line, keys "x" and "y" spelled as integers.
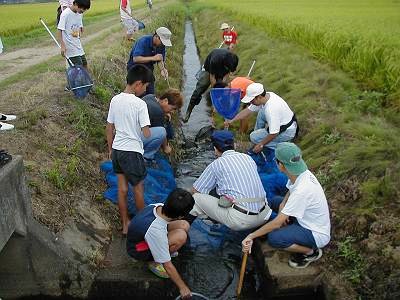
{"x": 128, "y": 117}
{"x": 229, "y": 36}
{"x": 69, "y": 32}
{"x": 157, "y": 232}
{"x": 127, "y": 20}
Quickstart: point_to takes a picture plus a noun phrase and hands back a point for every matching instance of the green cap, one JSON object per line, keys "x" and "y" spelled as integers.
{"x": 290, "y": 155}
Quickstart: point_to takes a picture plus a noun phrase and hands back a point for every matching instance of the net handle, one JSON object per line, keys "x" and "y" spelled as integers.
{"x": 55, "y": 40}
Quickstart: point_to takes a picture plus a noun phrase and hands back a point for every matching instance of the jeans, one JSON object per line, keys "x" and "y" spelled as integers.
{"x": 260, "y": 132}
{"x": 201, "y": 86}
{"x": 153, "y": 143}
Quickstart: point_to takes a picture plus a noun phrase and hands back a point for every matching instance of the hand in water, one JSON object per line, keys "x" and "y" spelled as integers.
{"x": 246, "y": 245}
{"x": 185, "y": 293}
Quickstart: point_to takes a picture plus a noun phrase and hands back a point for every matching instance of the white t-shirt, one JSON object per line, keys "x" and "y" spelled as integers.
{"x": 157, "y": 238}
{"x": 71, "y": 24}
{"x": 129, "y": 115}
{"x": 127, "y": 5}
{"x": 65, "y": 3}
{"x": 307, "y": 203}
{"x": 277, "y": 113}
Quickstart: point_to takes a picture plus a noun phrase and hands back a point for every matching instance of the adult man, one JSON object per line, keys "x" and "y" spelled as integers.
{"x": 127, "y": 20}
{"x": 243, "y": 202}
{"x": 229, "y": 36}
{"x": 157, "y": 233}
{"x": 160, "y": 110}
{"x": 306, "y": 202}
{"x": 275, "y": 123}
{"x": 150, "y": 49}
{"x": 218, "y": 64}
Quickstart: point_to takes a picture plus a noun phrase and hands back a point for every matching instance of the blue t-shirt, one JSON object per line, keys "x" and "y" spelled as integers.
{"x": 148, "y": 226}
{"x": 144, "y": 47}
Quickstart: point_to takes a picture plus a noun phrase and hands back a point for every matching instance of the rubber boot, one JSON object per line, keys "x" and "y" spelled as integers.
{"x": 188, "y": 112}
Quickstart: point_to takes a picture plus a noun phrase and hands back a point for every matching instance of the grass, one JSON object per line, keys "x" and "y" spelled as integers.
{"x": 25, "y": 21}
{"x": 360, "y": 36}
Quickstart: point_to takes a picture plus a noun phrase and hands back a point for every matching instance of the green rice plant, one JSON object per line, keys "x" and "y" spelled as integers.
{"x": 360, "y": 36}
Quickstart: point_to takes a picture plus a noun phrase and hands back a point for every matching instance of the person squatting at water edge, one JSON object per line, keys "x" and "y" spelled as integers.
{"x": 302, "y": 225}
{"x": 150, "y": 49}
{"x": 160, "y": 110}
{"x": 128, "y": 118}
{"x": 275, "y": 123}
{"x": 241, "y": 202}
{"x": 217, "y": 66}
{"x": 156, "y": 234}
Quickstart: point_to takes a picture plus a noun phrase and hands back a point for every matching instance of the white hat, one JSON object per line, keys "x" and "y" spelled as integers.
{"x": 224, "y": 26}
{"x": 165, "y": 36}
{"x": 252, "y": 91}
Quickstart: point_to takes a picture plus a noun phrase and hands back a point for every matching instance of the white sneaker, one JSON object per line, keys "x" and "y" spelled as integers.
{"x": 4, "y": 117}
{"x": 5, "y": 126}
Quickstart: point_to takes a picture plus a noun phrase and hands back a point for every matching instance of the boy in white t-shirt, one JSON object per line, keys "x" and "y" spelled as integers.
{"x": 128, "y": 118}
{"x": 305, "y": 203}
{"x": 276, "y": 122}
{"x": 70, "y": 30}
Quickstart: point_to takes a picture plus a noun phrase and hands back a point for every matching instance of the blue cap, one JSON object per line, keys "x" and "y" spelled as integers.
{"x": 222, "y": 139}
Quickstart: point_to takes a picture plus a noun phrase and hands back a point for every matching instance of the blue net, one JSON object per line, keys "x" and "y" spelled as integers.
{"x": 158, "y": 183}
{"x": 226, "y": 101}
{"x": 79, "y": 81}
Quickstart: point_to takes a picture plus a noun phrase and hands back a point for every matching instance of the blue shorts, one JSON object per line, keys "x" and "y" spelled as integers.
{"x": 291, "y": 234}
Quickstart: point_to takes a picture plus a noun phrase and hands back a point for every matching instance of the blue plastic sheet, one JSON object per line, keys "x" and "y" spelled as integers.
{"x": 226, "y": 101}
{"x": 158, "y": 183}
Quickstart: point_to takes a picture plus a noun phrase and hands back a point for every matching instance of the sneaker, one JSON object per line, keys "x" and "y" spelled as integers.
{"x": 5, "y": 126}
{"x": 301, "y": 261}
{"x": 4, "y": 157}
{"x": 158, "y": 269}
{"x": 4, "y": 117}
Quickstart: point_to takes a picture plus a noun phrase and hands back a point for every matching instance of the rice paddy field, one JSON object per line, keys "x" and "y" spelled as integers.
{"x": 359, "y": 36}
{"x": 25, "y": 17}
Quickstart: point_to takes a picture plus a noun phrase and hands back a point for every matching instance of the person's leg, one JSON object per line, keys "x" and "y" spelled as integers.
{"x": 138, "y": 192}
{"x": 153, "y": 143}
{"x": 258, "y": 135}
{"x": 285, "y": 136}
{"x": 201, "y": 86}
{"x": 177, "y": 234}
{"x": 261, "y": 120}
{"x": 123, "y": 202}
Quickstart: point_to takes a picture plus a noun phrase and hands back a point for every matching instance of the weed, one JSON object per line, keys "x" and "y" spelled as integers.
{"x": 54, "y": 175}
{"x": 355, "y": 265}
{"x": 331, "y": 138}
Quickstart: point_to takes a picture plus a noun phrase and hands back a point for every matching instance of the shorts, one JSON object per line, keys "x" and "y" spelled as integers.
{"x": 131, "y": 25}
{"x": 129, "y": 163}
{"x": 79, "y": 60}
{"x": 291, "y": 234}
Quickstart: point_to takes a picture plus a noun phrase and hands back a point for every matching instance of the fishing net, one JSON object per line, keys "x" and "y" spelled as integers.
{"x": 158, "y": 183}
{"x": 226, "y": 101}
{"x": 79, "y": 81}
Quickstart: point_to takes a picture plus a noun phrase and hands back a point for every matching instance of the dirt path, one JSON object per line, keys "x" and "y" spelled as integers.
{"x": 21, "y": 59}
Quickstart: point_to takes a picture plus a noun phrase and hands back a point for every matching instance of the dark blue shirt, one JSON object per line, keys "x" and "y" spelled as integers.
{"x": 144, "y": 47}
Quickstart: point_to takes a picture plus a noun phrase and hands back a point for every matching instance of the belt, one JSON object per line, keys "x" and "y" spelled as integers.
{"x": 247, "y": 212}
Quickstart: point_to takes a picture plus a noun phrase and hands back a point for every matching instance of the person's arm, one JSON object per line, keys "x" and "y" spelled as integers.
{"x": 176, "y": 278}
{"x": 146, "y": 131}
{"x": 110, "y": 137}
{"x": 257, "y": 148}
{"x": 276, "y": 223}
{"x": 166, "y": 146}
{"x": 145, "y": 59}
{"x": 241, "y": 115}
{"x": 62, "y": 44}
{"x": 283, "y": 203}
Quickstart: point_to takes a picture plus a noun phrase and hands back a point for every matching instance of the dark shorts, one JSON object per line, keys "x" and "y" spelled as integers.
{"x": 142, "y": 255}
{"x": 79, "y": 60}
{"x": 129, "y": 163}
{"x": 291, "y": 234}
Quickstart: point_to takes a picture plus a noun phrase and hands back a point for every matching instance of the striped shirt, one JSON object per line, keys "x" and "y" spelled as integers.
{"x": 233, "y": 175}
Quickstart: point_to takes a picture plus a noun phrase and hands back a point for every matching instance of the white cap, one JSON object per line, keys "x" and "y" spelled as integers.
{"x": 224, "y": 26}
{"x": 165, "y": 36}
{"x": 252, "y": 91}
